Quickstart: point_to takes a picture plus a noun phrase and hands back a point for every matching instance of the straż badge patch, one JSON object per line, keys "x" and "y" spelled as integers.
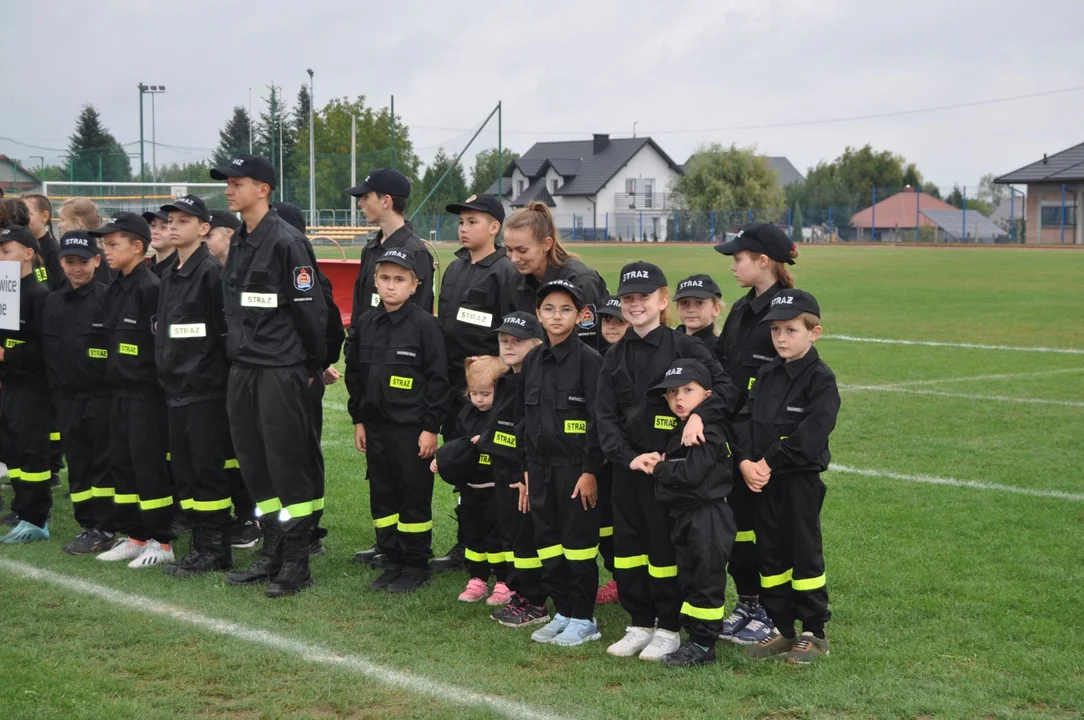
{"x": 303, "y": 278}
{"x": 590, "y": 319}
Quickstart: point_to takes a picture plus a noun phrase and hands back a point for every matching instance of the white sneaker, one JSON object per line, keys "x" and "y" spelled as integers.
{"x": 664, "y": 643}
{"x": 635, "y": 640}
{"x": 126, "y": 549}
{"x": 153, "y": 554}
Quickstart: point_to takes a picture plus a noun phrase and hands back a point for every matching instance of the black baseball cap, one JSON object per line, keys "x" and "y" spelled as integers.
{"x": 152, "y": 215}
{"x": 291, "y": 214}
{"x": 79, "y": 243}
{"x": 522, "y": 325}
{"x": 763, "y": 238}
{"x": 125, "y": 222}
{"x": 457, "y": 461}
{"x": 640, "y": 277}
{"x": 386, "y": 181}
{"x": 397, "y": 256}
{"x": 189, "y": 205}
{"x": 559, "y": 285}
{"x": 612, "y": 306}
{"x": 789, "y": 304}
{"x": 682, "y": 372}
{"x": 20, "y": 234}
{"x": 698, "y": 286}
{"x": 479, "y": 203}
{"x": 252, "y": 166}
{"x": 224, "y": 219}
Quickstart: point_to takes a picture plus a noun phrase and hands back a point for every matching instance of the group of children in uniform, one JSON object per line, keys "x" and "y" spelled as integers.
{"x": 589, "y": 426}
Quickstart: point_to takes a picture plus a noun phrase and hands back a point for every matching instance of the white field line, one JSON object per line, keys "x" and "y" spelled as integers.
{"x": 968, "y": 378}
{"x": 972, "y": 346}
{"x": 309, "y": 652}
{"x": 953, "y": 482}
{"x": 966, "y": 396}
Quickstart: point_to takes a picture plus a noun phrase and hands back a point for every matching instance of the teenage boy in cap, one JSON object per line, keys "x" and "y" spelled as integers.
{"x": 275, "y": 322}
{"x": 475, "y": 293}
{"x": 26, "y": 415}
{"x": 138, "y": 431}
{"x": 76, "y": 352}
{"x": 164, "y": 253}
{"x": 397, "y": 377}
{"x": 223, "y": 225}
{"x": 699, "y": 302}
{"x": 190, "y": 352}
{"x": 335, "y": 337}
{"x": 693, "y": 482}
{"x": 563, "y": 459}
{"x": 782, "y": 448}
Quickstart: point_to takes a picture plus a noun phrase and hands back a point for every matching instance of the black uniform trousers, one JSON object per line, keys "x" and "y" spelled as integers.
{"x": 56, "y": 447}
{"x": 645, "y": 565}
{"x": 703, "y": 537}
{"x": 743, "y": 561}
{"x": 199, "y": 444}
{"x": 481, "y": 533}
{"x": 517, "y": 535}
{"x": 400, "y": 493}
{"x": 316, "y": 397}
{"x": 138, "y": 443}
{"x": 26, "y": 419}
{"x": 606, "y": 516}
{"x": 275, "y": 441}
{"x": 567, "y": 539}
{"x": 84, "y": 425}
{"x": 243, "y": 506}
{"x": 792, "y": 579}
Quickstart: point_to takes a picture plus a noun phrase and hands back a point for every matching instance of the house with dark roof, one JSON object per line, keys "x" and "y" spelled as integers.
{"x": 602, "y": 188}
{"x": 15, "y": 178}
{"x": 1055, "y": 189}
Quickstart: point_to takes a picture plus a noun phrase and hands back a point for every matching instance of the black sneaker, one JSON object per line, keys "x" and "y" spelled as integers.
{"x": 689, "y": 654}
{"x": 244, "y": 534}
{"x": 391, "y": 574}
{"x": 507, "y": 608}
{"x": 365, "y": 557}
{"x": 525, "y": 615}
{"x": 454, "y": 560}
{"x": 91, "y": 540}
{"x": 316, "y": 547}
{"x": 410, "y": 580}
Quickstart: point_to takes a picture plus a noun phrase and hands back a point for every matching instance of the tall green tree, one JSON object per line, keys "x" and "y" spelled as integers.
{"x": 233, "y": 139}
{"x": 275, "y": 128}
{"x": 486, "y": 169}
{"x": 733, "y": 178}
{"x": 453, "y": 189}
{"x": 796, "y": 224}
{"x": 93, "y": 152}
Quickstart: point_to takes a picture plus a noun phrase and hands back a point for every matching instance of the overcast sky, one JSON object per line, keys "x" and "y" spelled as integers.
{"x": 687, "y": 71}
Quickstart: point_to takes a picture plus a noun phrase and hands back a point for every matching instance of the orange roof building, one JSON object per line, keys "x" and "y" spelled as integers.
{"x": 899, "y": 211}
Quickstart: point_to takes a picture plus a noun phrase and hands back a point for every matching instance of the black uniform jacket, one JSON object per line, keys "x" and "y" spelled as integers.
{"x": 24, "y": 358}
{"x": 587, "y": 280}
{"x": 789, "y": 415}
{"x": 365, "y": 296}
{"x": 505, "y": 426}
{"x": 77, "y": 341}
{"x": 131, "y": 306}
{"x": 746, "y": 343}
{"x": 470, "y": 422}
{"x": 275, "y": 310}
{"x": 396, "y": 371}
{"x": 693, "y": 476}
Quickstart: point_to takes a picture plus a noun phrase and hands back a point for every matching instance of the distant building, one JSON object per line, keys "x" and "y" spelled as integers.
{"x": 15, "y": 178}
{"x": 895, "y": 218}
{"x": 1055, "y": 189}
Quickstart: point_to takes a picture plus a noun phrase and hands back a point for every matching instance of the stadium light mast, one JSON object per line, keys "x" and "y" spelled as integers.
{"x": 312, "y": 151}
{"x": 143, "y": 90}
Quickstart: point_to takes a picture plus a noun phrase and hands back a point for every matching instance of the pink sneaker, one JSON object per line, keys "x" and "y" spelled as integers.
{"x": 607, "y": 594}
{"x": 476, "y": 590}
{"x": 501, "y": 595}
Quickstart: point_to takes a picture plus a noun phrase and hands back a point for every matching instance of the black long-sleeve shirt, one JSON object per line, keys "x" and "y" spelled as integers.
{"x": 746, "y": 343}
{"x": 500, "y": 439}
{"x": 77, "y": 341}
{"x": 586, "y": 279}
{"x": 630, "y": 421}
{"x": 365, "y": 296}
{"x": 789, "y": 415}
{"x": 131, "y": 304}
{"x": 557, "y": 397}
{"x": 24, "y": 357}
{"x": 396, "y": 371}
{"x": 50, "y": 254}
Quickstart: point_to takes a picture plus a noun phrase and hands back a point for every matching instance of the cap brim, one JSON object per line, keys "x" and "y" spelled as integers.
{"x": 730, "y": 247}
{"x": 85, "y": 253}
{"x": 105, "y": 230}
{"x": 782, "y": 313}
{"x": 637, "y": 288}
{"x": 221, "y": 173}
{"x": 155, "y": 215}
{"x": 396, "y": 261}
{"x": 359, "y": 190}
{"x": 516, "y": 331}
{"x": 612, "y": 312}
{"x": 697, "y": 293}
{"x": 186, "y": 210}
{"x": 577, "y": 300}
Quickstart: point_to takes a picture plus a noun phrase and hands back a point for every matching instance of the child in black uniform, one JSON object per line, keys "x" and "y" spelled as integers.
{"x": 25, "y": 411}
{"x": 699, "y": 302}
{"x": 693, "y": 483}
{"x": 782, "y": 437}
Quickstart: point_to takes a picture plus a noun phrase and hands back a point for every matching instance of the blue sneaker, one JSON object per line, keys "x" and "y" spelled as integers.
{"x": 551, "y": 630}
{"x": 25, "y": 532}
{"x": 756, "y": 630}
{"x": 735, "y": 621}
{"x": 578, "y": 632}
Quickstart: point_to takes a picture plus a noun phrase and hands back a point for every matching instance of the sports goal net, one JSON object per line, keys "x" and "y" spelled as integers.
{"x": 136, "y": 197}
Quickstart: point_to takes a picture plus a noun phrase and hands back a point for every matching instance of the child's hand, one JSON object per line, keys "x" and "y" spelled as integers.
{"x": 433, "y": 467}
{"x": 1, "y": 354}
{"x": 427, "y": 444}
{"x": 586, "y": 490}
{"x": 331, "y": 375}
{"x": 645, "y": 463}
{"x": 524, "y": 495}
{"x": 763, "y": 469}
{"x": 475, "y": 439}
{"x": 359, "y": 437}
{"x": 755, "y": 474}
{"x": 694, "y": 431}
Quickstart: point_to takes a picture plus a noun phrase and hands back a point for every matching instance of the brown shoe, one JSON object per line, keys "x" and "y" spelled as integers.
{"x": 807, "y": 649}
{"x": 774, "y": 644}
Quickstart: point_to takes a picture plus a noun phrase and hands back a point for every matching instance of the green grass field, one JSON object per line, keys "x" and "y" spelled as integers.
{"x": 948, "y": 600}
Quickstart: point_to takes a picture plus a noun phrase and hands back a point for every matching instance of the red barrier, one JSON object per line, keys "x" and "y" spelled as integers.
{"x": 342, "y": 274}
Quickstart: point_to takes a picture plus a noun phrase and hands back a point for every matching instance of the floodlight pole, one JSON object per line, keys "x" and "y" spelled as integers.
{"x": 312, "y": 151}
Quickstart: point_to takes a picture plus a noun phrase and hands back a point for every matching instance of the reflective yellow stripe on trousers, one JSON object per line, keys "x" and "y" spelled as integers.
{"x": 770, "y": 581}
{"x": 703, "y": 613}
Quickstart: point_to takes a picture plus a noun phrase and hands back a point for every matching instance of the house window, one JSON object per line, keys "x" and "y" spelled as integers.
{"x": 555, "y": 184}
{"x": 630, "y": 186}
{"x": 1051, "y": 215}
{"x": 648, "y": 185}
{"x": 519, "y": 188}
